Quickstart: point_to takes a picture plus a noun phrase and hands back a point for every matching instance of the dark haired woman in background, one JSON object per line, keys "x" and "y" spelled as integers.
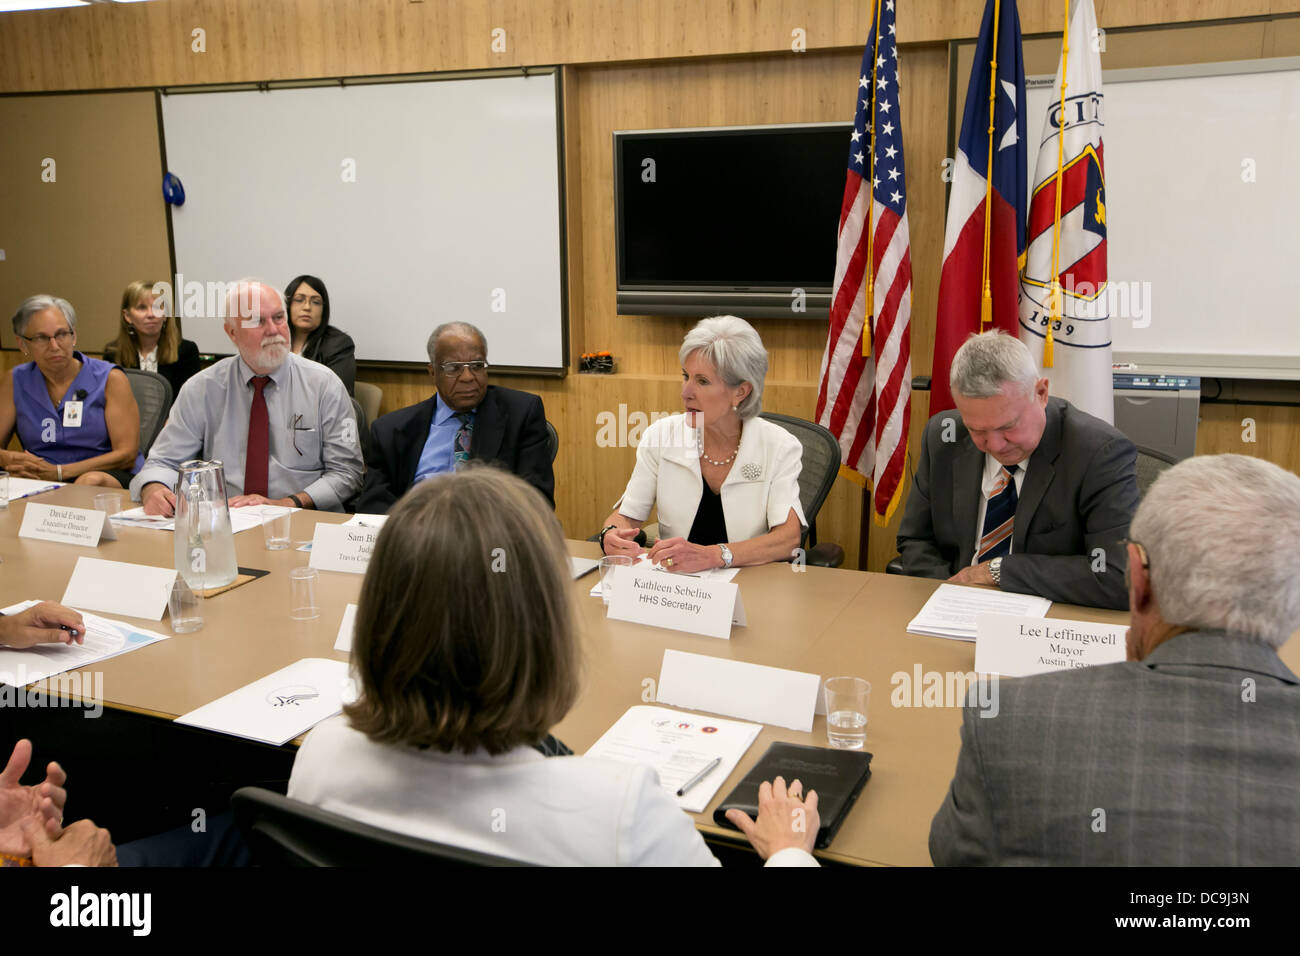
{"x": 150, "y": 340}
{"x": 313, "y": 336}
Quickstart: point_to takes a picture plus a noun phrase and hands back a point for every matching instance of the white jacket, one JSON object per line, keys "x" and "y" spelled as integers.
{"x": 757, "y": 495}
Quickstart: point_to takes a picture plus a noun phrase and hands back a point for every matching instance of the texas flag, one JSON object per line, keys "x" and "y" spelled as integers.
{"x": 979, "y": 164}
{"x": 1071, "y": 168}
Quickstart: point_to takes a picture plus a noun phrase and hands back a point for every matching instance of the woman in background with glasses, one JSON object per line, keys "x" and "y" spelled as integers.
{"x": 313, "y": 336}
{"x": 75, "y": 416}
{"x": 149, "y": 339}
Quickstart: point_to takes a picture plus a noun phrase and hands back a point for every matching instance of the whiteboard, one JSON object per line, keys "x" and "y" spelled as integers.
{"x": 415, "y": 203}
{"x": 1214, "y": 256}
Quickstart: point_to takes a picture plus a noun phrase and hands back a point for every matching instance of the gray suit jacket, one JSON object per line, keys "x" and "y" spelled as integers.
{"x": 1190, "y": 757}
{"x": 1079, "y": 494}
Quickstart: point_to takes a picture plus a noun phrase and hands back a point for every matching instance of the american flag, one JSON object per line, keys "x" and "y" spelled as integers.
{"x": 865, "y": 400}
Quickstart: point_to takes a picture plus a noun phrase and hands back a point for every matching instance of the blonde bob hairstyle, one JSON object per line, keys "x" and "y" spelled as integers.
{"x": 465, "y": 629}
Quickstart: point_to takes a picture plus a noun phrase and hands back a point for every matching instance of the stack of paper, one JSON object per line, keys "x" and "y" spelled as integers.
{"x": 104, "y": 638}
{"x": 241, "y": 519}
{"x": 951, "y": 610}
{"x": 678, "y": 746}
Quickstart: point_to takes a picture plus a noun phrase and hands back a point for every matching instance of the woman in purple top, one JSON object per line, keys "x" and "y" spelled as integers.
{"x": 76, "y": 416}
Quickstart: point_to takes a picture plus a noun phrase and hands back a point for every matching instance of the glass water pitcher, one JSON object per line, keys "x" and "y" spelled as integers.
{"x": 205, "y": 546}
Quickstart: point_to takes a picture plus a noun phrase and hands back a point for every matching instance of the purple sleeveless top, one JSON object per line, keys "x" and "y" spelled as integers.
{"x": 38, "y": 419}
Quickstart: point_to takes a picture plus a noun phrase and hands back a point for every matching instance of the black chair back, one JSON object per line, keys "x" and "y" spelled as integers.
{"x": 153, "y": 394}
{"x": 285, "y": 832}
{"x": 821, "y": 463}
{"x": 1149, "y": 465}
{"x": 552, "y": 441}
{"x": 363, "y": 429}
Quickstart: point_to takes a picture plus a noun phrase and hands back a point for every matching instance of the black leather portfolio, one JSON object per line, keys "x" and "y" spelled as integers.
{"x": 838, "y": 776}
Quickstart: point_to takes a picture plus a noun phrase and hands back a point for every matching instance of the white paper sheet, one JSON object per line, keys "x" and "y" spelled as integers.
{"x": 952, "y": 609}
{"x": 105, "y": 638}
{"x": 115, "y": 587}
{"x": 772, "y": 695}
{"x": 367, "y": 521}
{"x": 278, "y": 707}
{"x": 678, "y": 745}
{"x": 241, "y": 519}
{"x": 709, "y": 574}
{"x": 580, "y": 566}
{"x": 26, "y": 487}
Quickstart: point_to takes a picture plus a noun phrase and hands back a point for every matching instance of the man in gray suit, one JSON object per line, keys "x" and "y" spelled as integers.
{"x": 1189, "y": 752}
{"x": 1017, "y": 490}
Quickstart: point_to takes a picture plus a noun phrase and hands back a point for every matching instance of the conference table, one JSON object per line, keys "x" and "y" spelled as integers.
{"x": 822, "y": 621}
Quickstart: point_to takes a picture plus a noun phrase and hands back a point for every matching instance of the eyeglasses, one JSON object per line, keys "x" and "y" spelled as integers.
{"x": 453, "y": 369}
{"x": 301, "y": 299}
{"x": 43, "y": 341}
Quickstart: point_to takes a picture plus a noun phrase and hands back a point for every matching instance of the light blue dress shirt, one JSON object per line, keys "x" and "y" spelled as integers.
{"x": 438, "y": 455}
{"x": 313, "y": 438}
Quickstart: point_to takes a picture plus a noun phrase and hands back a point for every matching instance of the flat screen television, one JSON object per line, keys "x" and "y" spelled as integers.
{"x": 734, "y": 219}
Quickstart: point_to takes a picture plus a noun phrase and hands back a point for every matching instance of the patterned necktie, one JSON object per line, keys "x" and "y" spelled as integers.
{"x": 460, "y": 447}
{"x": 257, "y": 461}
{"x": 1000, "y": 516}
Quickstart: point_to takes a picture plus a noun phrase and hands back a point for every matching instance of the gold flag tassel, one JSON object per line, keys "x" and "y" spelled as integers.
{"x": 1054, "y": 299}
{"x": 986, "y": 302}
{"x": 869, "y": 318}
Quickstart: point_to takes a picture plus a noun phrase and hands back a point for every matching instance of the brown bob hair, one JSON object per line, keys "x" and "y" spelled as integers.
{"x": 128, "y": 352}
{"x": 465, "y": 628}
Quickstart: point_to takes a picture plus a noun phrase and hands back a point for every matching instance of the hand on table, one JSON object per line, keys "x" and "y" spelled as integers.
{"x": 158, "y": 499}
{"x": 245, "y": 501}
{"x": 42, "y": 623}
{"x": 977, "y": 574}
{"x": 40, "y": 806}
{"x": 679, "y": 555}
{"x": 621, "y": 541}
{"x": 785, "y": 819}
{"x": 83, "y": 844}
{"x": 23, "y": 464}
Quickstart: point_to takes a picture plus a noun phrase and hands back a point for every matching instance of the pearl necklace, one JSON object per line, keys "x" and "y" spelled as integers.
{"x": 700, "y": 441}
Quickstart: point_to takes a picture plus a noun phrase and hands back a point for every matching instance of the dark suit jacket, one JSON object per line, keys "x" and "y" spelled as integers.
{"x": 177, "y": 373}
{"x": 1079, "y": 494}
{"x": 509, "y": 430}
{"x": 1190, "y": 757}
{"x": 335, "y": 350}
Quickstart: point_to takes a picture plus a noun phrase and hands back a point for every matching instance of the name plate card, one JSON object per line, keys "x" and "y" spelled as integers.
{"x": 1019, "y": 646}
{"x": 680, "y": 602}
{"x": 84, "y": 526}
{"x": 768, "y": 695}
{"x": 114, "y": 587}
{"x": 342, "y": 547}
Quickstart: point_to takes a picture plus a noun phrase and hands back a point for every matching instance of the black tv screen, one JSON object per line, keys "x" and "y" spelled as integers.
{"x": 729, "y": 209}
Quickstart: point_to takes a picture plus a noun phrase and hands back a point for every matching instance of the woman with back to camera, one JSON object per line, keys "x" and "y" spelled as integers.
{"x": 466, "y": 655}
{"x": 149, "y": 339}
{"x": 75, "y": 416}
{"x": 725, "y": 482}
{"x": 313, "y": 336}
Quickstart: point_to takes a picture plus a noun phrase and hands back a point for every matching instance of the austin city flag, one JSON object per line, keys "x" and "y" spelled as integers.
{"x": 1071, "y": 167}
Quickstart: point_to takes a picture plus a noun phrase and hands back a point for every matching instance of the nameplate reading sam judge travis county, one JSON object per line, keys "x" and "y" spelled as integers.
{"x": 342, "y": 547}
{"x": 1016, "y": 646}
{"x": 84, "y": 526}
{"x": 645, "y": 595}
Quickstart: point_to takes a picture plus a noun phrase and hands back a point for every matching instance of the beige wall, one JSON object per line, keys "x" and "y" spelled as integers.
{"x": 654, "y": 63}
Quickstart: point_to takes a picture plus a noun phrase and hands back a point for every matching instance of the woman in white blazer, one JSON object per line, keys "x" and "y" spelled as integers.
{"x": 725, "y": 482}
{"x": 466, "y": 655}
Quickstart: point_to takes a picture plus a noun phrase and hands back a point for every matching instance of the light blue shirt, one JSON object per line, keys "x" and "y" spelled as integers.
{"x": 313, "y": 434}
{"x": 438, "y": 455}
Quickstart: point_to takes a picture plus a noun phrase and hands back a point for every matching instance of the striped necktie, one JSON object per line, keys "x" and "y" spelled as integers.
{"x": 460, "y": 447}
{"x": 1000, "y": 516}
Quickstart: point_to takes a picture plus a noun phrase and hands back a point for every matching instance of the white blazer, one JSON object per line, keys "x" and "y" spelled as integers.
{"x": 560, "y": 811}
{"x": 757, "y": 495}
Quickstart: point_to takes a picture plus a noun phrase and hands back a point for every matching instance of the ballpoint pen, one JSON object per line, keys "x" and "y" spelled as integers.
{"x": 681, "y": 791}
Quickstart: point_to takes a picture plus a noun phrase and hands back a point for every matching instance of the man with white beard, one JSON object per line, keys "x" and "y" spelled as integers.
{"x": 283, "y": 426}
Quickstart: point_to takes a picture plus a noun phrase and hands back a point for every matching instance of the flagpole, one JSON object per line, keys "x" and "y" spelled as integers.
{"x": 1054, "y": 290}
{"x": 986, "y": 303}
{"x": 869, "y": 318}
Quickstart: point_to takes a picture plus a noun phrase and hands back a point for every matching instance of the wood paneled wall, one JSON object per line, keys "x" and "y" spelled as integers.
{"x": 650, "y": 64}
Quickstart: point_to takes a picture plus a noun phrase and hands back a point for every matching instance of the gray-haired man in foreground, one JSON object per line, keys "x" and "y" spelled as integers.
{"x": 1188, "y": 753}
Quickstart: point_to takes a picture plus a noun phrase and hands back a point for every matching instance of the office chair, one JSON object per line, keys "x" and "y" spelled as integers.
{"x": 1149, "y": 465}
{"x": 363, "y": 429}
{"x": 552, "y": 441}
{"x": 821, "y": 463}
{"x": 153, "y": 394}
{"x": 283, "y": 832}
{"x": 370, "y": 397}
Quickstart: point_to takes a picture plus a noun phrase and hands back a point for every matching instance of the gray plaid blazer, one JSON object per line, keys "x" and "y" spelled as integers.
{"x": 1162, "y": 762}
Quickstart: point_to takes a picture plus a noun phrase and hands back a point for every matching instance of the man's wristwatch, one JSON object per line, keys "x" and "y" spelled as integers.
{"x": 726, "y": 555}
{"x": 995, "y": 569}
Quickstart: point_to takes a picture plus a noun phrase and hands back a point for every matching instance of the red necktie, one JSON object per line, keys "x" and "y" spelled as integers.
{"x": 257, "y": 463}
